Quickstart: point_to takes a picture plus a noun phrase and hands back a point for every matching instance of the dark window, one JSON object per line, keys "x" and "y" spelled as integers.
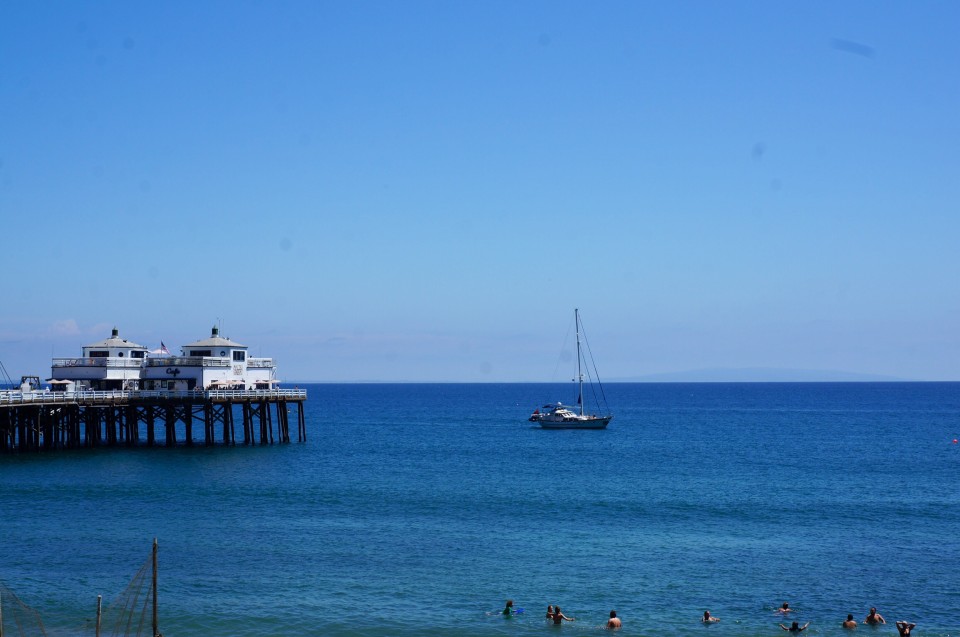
{"x": 239, "y": 355}
{"x": 99, "y": 354}
{"x": 200, "y": 352}
{"x": 136, "y": 354}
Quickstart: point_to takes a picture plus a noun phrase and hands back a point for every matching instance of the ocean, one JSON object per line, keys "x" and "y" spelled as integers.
{"x": 419, "y": 509}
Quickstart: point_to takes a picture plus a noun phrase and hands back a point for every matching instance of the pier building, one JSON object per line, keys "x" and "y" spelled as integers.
{"x": 113, "y": 363}
{"x": 210, "y": 363}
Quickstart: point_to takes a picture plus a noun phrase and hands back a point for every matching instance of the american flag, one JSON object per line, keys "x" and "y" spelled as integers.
{"x": 163, "y": 348}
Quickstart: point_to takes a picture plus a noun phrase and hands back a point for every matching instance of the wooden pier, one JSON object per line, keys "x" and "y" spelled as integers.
{"x": 43, "y": 420}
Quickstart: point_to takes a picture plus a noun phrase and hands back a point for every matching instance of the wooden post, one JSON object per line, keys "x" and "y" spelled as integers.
{"x": 245, "y": 407}
{"x": 266, "y": 408}
{"x": 151, "y": 433}
{"x": 155, "y": 631}
{"x": 170, "y": 423}
{"x": 111, "y": 426}
{"x": 99, "y": 613}
{"x": 303, "y": 422}
{"x": 133, "y": 425}
{"x": 264, "y": 423}
{"x": 188, "y": 420}
{"x": 208, "y": 435}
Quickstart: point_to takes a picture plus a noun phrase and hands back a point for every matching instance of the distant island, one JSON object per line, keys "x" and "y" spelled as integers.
{"x": 760, "y": 375}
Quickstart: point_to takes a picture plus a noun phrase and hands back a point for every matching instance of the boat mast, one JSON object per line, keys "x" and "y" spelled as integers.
{"x": 576, "y": 318}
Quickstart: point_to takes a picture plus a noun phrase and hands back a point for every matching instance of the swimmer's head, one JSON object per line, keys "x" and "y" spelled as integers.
{"x": 849, "y": 617}
{"x": 613, "y": 614}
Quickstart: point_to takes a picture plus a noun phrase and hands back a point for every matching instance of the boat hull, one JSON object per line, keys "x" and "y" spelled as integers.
{"x": 600, "y": 422}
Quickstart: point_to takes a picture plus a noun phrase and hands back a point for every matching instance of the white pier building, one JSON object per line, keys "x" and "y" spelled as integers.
{"x": 210, "y": 363}
{"x": 113, "y": 363}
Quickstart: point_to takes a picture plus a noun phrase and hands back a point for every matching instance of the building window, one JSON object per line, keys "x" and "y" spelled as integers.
{"x": 239, "y": 355}
{"x": 136, "y": 354}
{"x": 98, "y": 354}
{"x": 200, "y": 352}
{"x": 120, "y": 355}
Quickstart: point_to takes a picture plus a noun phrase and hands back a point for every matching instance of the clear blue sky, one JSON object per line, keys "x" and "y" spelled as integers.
{"x": 425, "y": 190}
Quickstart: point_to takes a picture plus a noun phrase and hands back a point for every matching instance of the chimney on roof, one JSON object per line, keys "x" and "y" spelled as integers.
{"x": 216, "y": 332}
{"x": 116, "y": 332}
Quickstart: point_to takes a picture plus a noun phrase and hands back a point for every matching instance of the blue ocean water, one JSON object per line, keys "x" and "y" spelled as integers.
{"x": 420, "y": 509}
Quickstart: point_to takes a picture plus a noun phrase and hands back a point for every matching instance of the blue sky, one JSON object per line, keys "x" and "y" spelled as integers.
{"x": 425, "y": 190}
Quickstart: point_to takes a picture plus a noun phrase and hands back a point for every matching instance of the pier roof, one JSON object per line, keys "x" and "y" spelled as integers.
{"x": 116, "y": 341}
{"x": 215, "y": 340}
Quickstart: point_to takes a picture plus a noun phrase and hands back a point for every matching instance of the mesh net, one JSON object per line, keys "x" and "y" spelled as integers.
{"x": 16, "y": 618}
{"x": 130, "y": 614}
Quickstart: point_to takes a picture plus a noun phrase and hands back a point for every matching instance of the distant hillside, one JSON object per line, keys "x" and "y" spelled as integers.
{"x": 759, "y": 375}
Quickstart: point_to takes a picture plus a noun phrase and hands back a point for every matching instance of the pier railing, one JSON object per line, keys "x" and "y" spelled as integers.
{"x": 61, "y": 397}
{"x": 188, "y": 361}
{"x": 125, "y": 363}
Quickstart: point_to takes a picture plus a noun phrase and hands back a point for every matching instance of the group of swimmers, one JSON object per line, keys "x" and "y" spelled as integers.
{"x": 555, "y": 615}
{"x": 873, "y": 618}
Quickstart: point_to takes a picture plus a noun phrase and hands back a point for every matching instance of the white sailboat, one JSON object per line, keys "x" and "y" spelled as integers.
{"x": 560, "y": 416}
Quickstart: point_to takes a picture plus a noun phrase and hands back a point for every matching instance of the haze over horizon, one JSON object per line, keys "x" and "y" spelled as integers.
{"x": 424, "y": 191}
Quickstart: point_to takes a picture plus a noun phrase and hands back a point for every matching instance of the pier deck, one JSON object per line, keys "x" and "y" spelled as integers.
{"x": 44, "y": 420}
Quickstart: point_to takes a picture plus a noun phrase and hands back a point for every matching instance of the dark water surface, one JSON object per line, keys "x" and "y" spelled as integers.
{"x": 419, "y": 509}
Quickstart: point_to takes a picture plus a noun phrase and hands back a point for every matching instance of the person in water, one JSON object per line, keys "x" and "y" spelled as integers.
{"x": 795, "y": 627}
{"x": 850, "y": 623}
{"x": 874, "y": 618}
{"x": 550, "y": 612}
{"x": 614, "y": 622}
{"x": 784, "y": 609}
{"x": 559, "y": 617}
{"x": 708, "y": 618}
{"x": 904, "y": 628}
{"x": 508, "y": 609}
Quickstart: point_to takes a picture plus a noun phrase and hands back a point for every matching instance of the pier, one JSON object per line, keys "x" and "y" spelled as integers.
{"x": 49, "y": 420}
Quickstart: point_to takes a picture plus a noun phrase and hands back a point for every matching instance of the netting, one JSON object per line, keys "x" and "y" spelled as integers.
{"x": 130, "y": 614}
{"x": 16, "y": 618}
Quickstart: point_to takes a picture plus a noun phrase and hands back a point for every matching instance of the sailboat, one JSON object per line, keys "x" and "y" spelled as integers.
{"x": 560, "y": 416}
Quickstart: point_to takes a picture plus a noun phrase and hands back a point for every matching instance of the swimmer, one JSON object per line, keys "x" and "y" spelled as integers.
{"x": 708, "y": 618}
{"x": 550, "y": 612}
{"x": 850, "y": 623}
{"x": 508, "y": 609}
{"x": 558, "y": 616}
{"x": 795, "y": 627}
{"x": 874, "y": 618}
{"x": 614, "y": 622}
{"x": 784, "y": 609}
{"x": 904, "y": 628}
